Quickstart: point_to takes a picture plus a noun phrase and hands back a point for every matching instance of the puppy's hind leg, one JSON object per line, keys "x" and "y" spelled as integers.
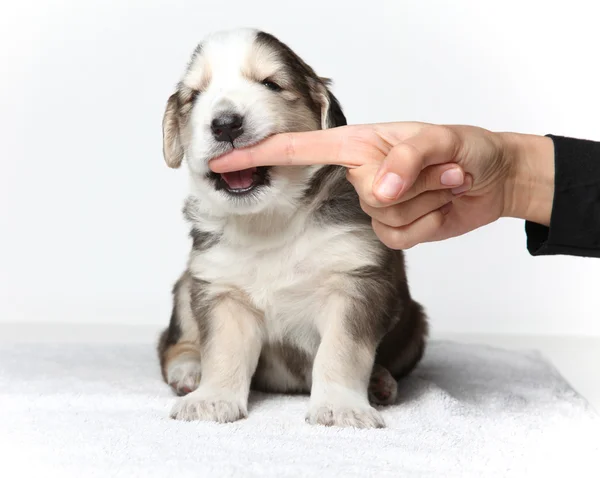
{"x": 398, "y": 354}
{"x": 179, "y": 343}
{"x": 383, "y": 388}
{"x": 403, "y": 347}
{"x": 183, "y": 370}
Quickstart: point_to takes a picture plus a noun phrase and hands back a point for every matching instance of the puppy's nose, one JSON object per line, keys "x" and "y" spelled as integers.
{"x": 227, "y": 127}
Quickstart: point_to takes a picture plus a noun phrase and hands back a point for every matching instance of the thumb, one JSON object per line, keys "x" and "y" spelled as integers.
{"x": 402, "y": 166}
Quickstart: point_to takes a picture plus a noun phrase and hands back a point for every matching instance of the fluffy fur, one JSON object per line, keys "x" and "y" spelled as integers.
{"x": 287, "y": 288}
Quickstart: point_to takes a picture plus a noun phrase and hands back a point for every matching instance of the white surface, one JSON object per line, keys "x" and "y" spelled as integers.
{"x": 101, "y": 409}
{"x": 91, "y": 225}
{"x": 576, "y": 358}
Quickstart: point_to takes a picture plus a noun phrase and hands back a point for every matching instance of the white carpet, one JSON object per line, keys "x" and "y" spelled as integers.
{"x": 98, "y": 410}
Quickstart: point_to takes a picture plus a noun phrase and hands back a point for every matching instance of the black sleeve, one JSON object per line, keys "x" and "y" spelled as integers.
{"x": 575, "y": 220}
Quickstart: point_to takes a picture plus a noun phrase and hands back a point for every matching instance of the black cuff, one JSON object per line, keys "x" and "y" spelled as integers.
{"x": 575, "y": 220}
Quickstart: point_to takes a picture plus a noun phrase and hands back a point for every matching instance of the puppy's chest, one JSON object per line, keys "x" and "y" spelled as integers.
{"x": 288, "y": 279}
{"x": 267, "y": 276}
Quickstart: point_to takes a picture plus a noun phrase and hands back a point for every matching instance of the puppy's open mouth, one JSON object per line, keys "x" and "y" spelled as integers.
{"x": 241, "y": 182}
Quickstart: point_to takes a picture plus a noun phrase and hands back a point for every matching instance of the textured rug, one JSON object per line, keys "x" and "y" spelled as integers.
{"x": 468, "y": 410}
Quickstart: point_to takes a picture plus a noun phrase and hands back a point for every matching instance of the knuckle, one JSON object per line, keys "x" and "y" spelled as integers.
{"x": 404, "y": 243}
{"x": 290, "y": 148}
{"x": 401, "y": 244}
{"x": 448, "y": 138}
{"x": 404, "y": 152}
{"x": 383, "y": 233}
{"x": 388, "y": 241}
{"x": 398, "y": 239}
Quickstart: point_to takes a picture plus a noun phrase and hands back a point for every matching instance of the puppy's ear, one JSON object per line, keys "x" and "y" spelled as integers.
{"x": 332, "y": 114}
{"x": 172, "y": 147}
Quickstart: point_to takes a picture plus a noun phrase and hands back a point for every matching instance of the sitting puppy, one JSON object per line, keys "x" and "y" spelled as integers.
{"x": 287, "y": 288}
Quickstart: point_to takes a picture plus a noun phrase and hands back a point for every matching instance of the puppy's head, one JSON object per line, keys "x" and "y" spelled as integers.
{"x": 240, "y": 87}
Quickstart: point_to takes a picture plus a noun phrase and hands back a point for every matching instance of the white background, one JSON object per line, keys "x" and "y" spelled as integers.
{"x": 91, "y": 230}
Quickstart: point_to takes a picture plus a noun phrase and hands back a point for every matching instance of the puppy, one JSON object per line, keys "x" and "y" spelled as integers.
{"x": 287, "y": 289}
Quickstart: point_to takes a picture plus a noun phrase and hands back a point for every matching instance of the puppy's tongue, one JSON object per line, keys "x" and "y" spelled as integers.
{"x": 239, "y": 179}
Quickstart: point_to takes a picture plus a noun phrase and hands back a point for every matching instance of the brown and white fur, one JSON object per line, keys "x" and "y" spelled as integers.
{"x": 287, "y": 288}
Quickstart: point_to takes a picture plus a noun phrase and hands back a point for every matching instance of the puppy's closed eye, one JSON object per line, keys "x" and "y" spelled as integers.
{"x": 270, "y": 84}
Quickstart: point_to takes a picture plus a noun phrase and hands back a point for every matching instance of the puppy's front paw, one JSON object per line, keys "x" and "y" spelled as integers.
{"x": 359, "y": 415}
{"x": 211, "y": 407}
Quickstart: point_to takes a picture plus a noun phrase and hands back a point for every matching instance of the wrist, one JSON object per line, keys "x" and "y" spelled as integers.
{"x": 529, "y": 188}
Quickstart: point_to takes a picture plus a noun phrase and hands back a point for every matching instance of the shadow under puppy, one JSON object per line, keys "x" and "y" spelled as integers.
{"x": 287, "y": 288}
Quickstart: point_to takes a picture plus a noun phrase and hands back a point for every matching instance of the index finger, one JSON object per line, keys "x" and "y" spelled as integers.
{"x": 290, "y": 149}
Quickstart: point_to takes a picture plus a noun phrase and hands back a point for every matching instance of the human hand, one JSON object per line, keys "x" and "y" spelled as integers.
{"x": 421, "y": 182}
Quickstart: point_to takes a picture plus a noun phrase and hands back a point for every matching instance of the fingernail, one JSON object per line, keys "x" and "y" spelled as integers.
{"x": 466, "y": 186}
{"x": 390, "y": 185}
{"x": 452, "y": 177}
